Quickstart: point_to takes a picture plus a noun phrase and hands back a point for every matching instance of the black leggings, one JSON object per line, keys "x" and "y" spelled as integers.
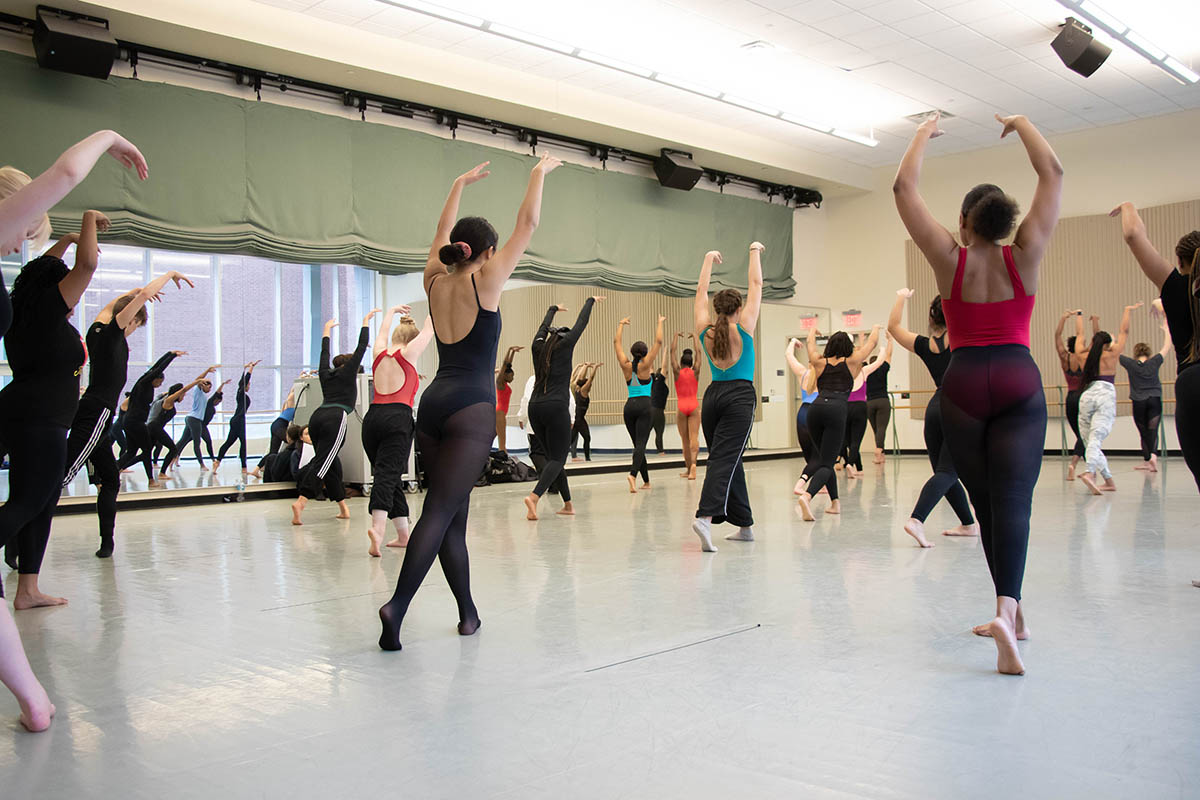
{"x": 327, "y": 429}
{"x": 805, "y": 440}
{"x": 827, "y": 423}
{"x": 944, "y": 482}
{"x": 37, "y": 459}
{"x": 279, "y": 434}
{"x": 658, "y": 422}
{"x": 727, "y": 416}
{"x": 1146, "y": 416}
{"x": 89, "y": 444}
{"x": 879, "y": 414}
{"x": 140, "y": 446}
{"x": 856, "y": 428}
{"x": 237, "y": 433}
{"x": 581, "y": 429}
{"x": 194, "y": 431}
{"x": 1187, "y": 418}
{"x": 387, "y": 437}
{"x": 551, "y": 423}
{"x": 454, "y": 451}
{"x": 637, "y": 422}
{"x": 162, "y": 442}
{"x": 994, "y": 416}
{"x": 1072, "y": 409}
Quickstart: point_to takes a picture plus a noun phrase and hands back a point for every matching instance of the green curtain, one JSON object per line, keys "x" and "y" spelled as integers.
{"x": 235, "y": 176}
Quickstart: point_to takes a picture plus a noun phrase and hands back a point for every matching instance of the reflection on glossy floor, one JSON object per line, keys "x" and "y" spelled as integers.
{"x": 224, "y": 653}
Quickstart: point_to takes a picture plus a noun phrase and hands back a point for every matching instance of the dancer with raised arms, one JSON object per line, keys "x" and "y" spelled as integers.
{"x": 581, "y": 391}
{"x": 1098, "y": 403}
{"x": 1145, "y": 391}
{"x": 685, "y": 369}
{"x": 637, "y": 369}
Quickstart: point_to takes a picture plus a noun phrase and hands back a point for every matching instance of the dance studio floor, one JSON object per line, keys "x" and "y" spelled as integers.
{"x": 223, "y": 653}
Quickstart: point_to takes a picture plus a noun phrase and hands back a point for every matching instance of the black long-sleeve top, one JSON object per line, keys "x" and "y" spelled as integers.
{"x": 340, "y": 386}
{"x": 554, "y": 355}
{"x": 210, "y": 410}
{"x": 243, "y": 399}
{"x": 142, "y": 393}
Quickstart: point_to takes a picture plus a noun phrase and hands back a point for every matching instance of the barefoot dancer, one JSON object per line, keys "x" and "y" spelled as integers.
{"x": 195, "y": 424}
{"x": 1098, "y": 403}
{"x": 1145, "y": 393}
{"x": 581, "y": 392}
{"x": 456, "y": 419}
{"x": 934, "y": 353}
{"x": 637, "y": 373}
{"x": 553, "y": 351}
{"x": 729, "y": 401}
{"x": 1072, "y": 367}
{"x": 504, "y": 379}
{"x": 660, "y": 393}
{"x": 836, "y": 370}
{"x": 879, "y": 407}
{"x": 806, "y": 379}
{"x": 993, "y": 404}
{"x": 237, "y": 423}
{"x": 327, "y": 426}
{"x": 158, "y": 426}
{"x": 856, "y": 417}
{"x": 137, "y": 426}
{"x": 387, "y": 429}
{"x": 686, "y": 371}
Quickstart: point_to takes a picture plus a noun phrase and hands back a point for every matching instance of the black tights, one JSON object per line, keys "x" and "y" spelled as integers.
{"x": 805, "y": 440}
{"x": 581, "y": 429}
{"x": 1187, "y": 418}
{"x": 637, "y": 423}
{"x": 1146, "y": 416}
{"x": 658, "y": 422}
{"x": 1072, "y": 411}
{"x": 37, "y": 457}
{"x": 827, "y": 424}
{"x": 994, "y": 416}
{"x": 944, "y": 481}
{"x": 454, "y": 454}
{"x": 551, "y": 423}
{"x": 237, "y": 433}
{"x": 137, "y": 436}
{"x": 856, "y": 428}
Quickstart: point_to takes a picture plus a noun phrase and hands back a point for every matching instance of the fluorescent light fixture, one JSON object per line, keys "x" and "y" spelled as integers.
{"x": 858, "y": 138}
{"x": 687, "y": 86}
{"x": 750, "y": 105}
{"x": 421, "y": 7}
{"x": 807, "y": 123}
{"x": 543, "y": 42}
{"x": 614, "y": 63}
{"x": 1117, "y": 29}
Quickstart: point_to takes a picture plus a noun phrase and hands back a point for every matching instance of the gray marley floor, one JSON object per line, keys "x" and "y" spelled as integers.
{"x": 225, "y": 654}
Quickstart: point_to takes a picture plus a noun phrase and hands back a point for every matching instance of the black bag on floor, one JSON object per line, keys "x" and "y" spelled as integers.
{"x": 503, "y": 468}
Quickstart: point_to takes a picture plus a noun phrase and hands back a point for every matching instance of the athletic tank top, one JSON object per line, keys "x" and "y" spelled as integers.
{"x": 469, "y": 362}
{"x": 984, "y": 324}
{"x": 408, "y": 391}
{"x": 504, "y": 398}
{"x": 1074, "y": 379}
{"x": 835, "y": 381}
{"x": 743, "y": 369}
{"x": 581, "y": 405}
{"x": 637, "y": 388}
{"x": 807, "y": 397}
{"x": 686, "y": 384}
{"x": 859, "y": 395}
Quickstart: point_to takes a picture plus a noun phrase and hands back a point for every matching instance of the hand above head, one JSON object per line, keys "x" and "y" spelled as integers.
{"x": 371, "y": 314}
{"x": 211, "y": 370}
{"x": 180, "y": 279}
{"x": 624, "y": 321}
{"x": 561, "y": 307}
{"x": 1009, "y": 123}
{"x": 475, "y": 175}
{"x": 402, "y": 309}
{"x": 661, "y": 319}
{"x": 759, "y": 246}
{"x": 179, "y": 353}
{"x": 129, "y": 156}
{"x": 547, "y": 164}
{"x": 905, "y": 293}
{"x": 1135, "y": 306}
{"x": 599, "y": 298}
{"x": 100, "y": 220}
{"x": 930, "y": 125}
{"x": 1116, "y": 212}
{"x": 715, "y": 255}
{"x": 330, "y": 325}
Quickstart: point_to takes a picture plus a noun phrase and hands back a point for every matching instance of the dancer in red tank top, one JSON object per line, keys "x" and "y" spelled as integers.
{"x": 504, "y": 379}
{"x": 686, "y": 370}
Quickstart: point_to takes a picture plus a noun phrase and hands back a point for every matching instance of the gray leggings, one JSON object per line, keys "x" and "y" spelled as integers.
{"x": 879, "y": 413}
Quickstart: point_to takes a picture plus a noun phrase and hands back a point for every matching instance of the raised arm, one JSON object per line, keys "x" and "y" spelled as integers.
{"x": 87, "y": 256}
{"x": 754, "y": 294}
{"x": 500, "y": 267}
{"x": 506, "y": 366}
{"x": 544, "y": 329}
{"x": 174, "y": 397}
{"x": 441, "y": 238}
{"x": 930, "y": 236}
{"x": 323, "y": 365}
{"x": 290, "y": 400}
{"x": 364, "y": 334}
{"x": 1166, "y": 348}
{"x": 1033, "y": 234}
{"x": 1059, "y": 345}
{"x": 384, "y": 334}
{"x": 790, "y": 356}
{"x": 887, "y": 352}
{"x": 675, "y": 356}
{"x": 23, "y": 209}
{"x": 864, "y": 352}
{"x": 697, "y": 361}
{"x": 815, "y": 359}
{"x": 588, "y": 378}
{"x": 585, "y": 315}
{"x": 906, "y": 338}
{"x": 656, "y": 348}
{"x": 413, "y": 350}
{"x": 701, "y": 318}
{"x": 1081, "y": 344}
{"x": 1095, "y": 320}
{"x": 1118, "y": 347}
{"x": 1155, "y": 267}
{"x": 149, "y": 293}
{"x": 619, "y": 347}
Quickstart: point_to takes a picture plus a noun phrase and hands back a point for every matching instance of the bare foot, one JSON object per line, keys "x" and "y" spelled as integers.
{"x": 1089, "y": 482}
{"x": 685, "y": 473}
{"x": 530, "y": 508}
{"x": 1071, "y": 472}
{"x": 1154, "y": 463}
{"x": 297, "y": 507}
{"x": 36, "y": 713}
{"x": 632, "y": 484}
{"x": 1008, "y": 658}
{"x": 163, "y": 477}
{"x": 343, "y": 510}
{"x": 805, "y": 502}
{"x": 916, "y": 529}
{"x": 985, "y": 630}
{"x": 800, "y": 485}
{"x": 645, "y": 486}
{"x": 568, "y": 510}
{"x": 375, "y": 538}
{"x": 24, "y": 600}
{"x": 153, "y": 484}
{"x": 1109, "y": 485}
{"x": 834, "y": 508}
{"x": 256, "y": 472}
{"x": 399, "y": 541}
{"x": 963, "y": 530}
{"x": 692, "y": 474}
{"x": 1144, "y": 466}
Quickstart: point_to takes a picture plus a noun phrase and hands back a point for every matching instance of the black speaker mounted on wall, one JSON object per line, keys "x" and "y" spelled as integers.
{"x": 676, "y": 170}
{"x": 1078, "y": 49}
{"x": 73, "y": 43}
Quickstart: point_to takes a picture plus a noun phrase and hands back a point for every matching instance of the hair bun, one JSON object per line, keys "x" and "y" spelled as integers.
{"x": 454, "y": 254}
{"x": 994, "y": 216}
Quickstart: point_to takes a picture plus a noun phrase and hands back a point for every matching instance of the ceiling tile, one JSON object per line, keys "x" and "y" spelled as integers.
{"x": 815, "y": 10}
{"x": 896, "y": 10}
{"x": 844, "y": 24}
{"x": 924, "y": 23}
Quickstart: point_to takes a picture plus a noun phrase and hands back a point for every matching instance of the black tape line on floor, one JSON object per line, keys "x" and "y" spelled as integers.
{"x": 677, "y": 647}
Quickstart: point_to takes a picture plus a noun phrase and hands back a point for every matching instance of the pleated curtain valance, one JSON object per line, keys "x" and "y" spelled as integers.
{"x": 240, "y": 176}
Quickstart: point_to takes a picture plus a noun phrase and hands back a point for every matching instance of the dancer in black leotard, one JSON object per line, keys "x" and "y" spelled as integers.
{"x": 23, "y": 207}
{"x": 836, "y": 370}
{"x": 89, "y": 441}
{"x": 581, "y": 388}
{"x": 660, "y": 393}
{"x": 993, "y": 403}
{"x": 137, "y": 431}
{"x": 806, "y": 379}
{"x": 237, "y": 423}
{"x": 1179, "y": 289}
{"x": 549, "y": 409}
{"x": 327, "y": 426}
{"x": 457, "y": 414}
{"x": 935, "y": 354}
{"x": 637, "y": 373}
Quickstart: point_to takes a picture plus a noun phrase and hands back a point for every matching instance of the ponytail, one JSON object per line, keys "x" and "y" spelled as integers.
{"x": 725, "y": 303}
{"x": 1188, "y": 252}
{"x": 1091, "y": 368}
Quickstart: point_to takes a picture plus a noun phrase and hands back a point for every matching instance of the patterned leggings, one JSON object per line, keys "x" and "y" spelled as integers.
{"x": 1097, "y": 412}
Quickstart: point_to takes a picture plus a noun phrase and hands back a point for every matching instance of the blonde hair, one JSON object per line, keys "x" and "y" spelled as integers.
{"x": 406, "y": 331}
{"x": 13, "y": 180}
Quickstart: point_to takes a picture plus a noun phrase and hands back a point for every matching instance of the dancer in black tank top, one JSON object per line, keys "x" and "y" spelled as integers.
{"x": 456, "y": 417}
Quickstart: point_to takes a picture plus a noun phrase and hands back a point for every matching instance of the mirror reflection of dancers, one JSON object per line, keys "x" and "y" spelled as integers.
{"x": 1179, "y": 289}
{"x": 237, "y": 423}
{"x": 137, "y": 431}
{"x": 157, "y": 424}
{"x": 879, "y": 405}
{"x": 1072, "y": 367}
{"x": 23, "y": 207}
{"x": 553, "y": 351}
{"x": 89, "y": 441}
{"x": 327, "y": 426}
{"x": 856, "y": 415}
{"x": 1145, "y": 392}
{"x": 730, "y": 399}
{"x": 685, "y": 370}
{"x": 806, "y": 379}
{"x": 993, "y": 403}
{"x": 581, "y": 390}
{"x": 637, "y": 374}
{"x": 660, "y": 393}
{"x": 504, "y": 379}
{"x": 387, "y": 428}
{"x": 464, "y": 277}
{"x": 1098, "y": 403}
{"x": 195, "y": 424}
{"x": 935, "y": 355}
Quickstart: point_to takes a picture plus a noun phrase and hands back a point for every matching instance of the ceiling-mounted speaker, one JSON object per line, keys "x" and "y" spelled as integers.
{"x": 676, "y": 170}
{"x": 73, "y": 43}
{"x": 1078, "y": 48}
